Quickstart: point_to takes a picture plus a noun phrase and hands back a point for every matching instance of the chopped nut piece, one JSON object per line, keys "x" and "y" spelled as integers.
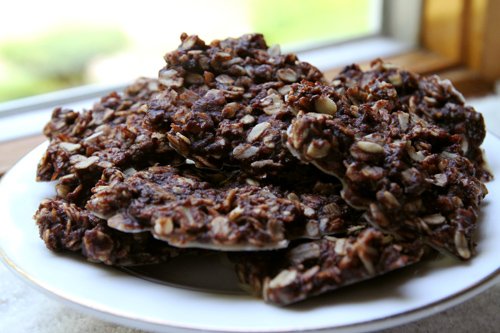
{"x": 169, "y": 78}
{"x": 303, "y": 252}
{"x": 86, "y": 162}
{"x": 287, "y": 75}
{"x": 283, "y": 279}
{"x": 370, "y": 147}
{"x": 318, "y": 148}
{"x": 164, "y": 226}
{"x": 244, "y": 151}
{"x": 434, "y": 219}
{"x": 274, "y": 51}
{"x": 325, "y": 105}
{"x": 257, "y": 131}
{"x": 462, "y": 245}
{"x": 70, "y": 146}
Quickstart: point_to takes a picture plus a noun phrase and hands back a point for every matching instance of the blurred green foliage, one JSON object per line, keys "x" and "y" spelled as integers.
{"x": 59, "y": 60}
{"x": 284, "y": 21}
{"x": 54, "y": 61}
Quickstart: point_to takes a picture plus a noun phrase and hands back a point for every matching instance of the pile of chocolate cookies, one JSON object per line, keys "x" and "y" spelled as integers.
{"x": 309, "y": 185}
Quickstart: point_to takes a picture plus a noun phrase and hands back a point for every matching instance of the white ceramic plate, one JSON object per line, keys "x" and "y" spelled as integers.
{"x": 116, "y": 296}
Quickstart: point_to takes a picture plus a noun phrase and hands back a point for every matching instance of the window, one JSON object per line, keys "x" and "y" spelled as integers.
{"x": 52, "y": 45}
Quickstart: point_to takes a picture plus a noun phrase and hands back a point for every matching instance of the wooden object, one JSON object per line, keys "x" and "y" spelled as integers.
{"x": 12, "y": 151}
{"x": 465, "y": 32}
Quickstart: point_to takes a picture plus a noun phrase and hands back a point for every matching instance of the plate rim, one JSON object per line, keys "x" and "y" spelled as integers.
{"x": 120, "y": 317}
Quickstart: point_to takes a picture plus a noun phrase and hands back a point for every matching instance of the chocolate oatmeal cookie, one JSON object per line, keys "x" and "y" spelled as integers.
{"x": 431, "y": 98}
{"x": 82, "y": 144}
{"x": 315, "y": 267}
{"x": 219, "y": 210}
{"x": 222, "y": 103}
{"x": 407, "y": 173}
{"x": 65, "y": 227}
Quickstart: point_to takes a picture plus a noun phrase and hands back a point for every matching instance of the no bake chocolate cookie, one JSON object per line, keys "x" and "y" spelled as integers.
{"x": 82, "y": 144}
{"x": 222, "y": 103}
{"x": 65, "y": 227}
{"x": 407, "y": 173}
{"x": 223, "y": 210}
{"x": 315, "y": 267}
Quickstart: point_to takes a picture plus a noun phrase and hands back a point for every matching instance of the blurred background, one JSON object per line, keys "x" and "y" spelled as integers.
{"x": 53, "y": 44}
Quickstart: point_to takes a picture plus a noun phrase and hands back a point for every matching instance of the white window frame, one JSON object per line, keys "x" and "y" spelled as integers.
{"x": 399, "y": 33}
